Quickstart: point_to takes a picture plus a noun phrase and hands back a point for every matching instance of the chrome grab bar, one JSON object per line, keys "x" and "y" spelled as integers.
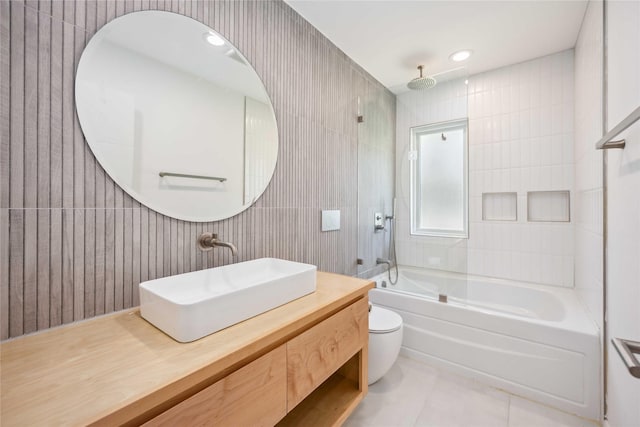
{"x": 627, "y": 350}
{"x": 606, "y": 143}
{"x": 184, "y": 175}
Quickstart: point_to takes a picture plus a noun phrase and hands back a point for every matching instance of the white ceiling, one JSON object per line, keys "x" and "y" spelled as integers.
{"x": 390, "y": 38}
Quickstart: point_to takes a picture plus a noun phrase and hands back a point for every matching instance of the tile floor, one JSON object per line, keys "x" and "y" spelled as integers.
{"x": 416, "y": 394}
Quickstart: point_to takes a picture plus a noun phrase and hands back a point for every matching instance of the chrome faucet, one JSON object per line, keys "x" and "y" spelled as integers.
{"x": 208, "y": 241}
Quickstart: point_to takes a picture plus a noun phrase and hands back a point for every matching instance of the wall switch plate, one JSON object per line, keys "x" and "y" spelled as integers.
{"x": 330, "y": 220}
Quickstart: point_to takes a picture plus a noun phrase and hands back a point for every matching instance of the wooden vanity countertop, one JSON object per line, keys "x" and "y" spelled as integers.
{"x": 119, "y": 369}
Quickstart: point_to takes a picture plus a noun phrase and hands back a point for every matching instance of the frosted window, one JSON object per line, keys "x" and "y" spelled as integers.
{"x": 439, "y": 178}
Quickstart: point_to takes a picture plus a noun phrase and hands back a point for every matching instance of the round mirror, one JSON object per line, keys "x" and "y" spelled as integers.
{"x": 176, "y": 116}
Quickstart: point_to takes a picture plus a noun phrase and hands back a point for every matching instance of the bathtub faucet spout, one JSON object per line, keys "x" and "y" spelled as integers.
{"x": 383, "y": 261}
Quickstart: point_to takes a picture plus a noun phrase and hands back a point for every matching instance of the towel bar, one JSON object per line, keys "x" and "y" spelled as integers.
{"x": 183, "y": 175}
{"x": 606, "y": 141}
{"x": 627, "y": 350}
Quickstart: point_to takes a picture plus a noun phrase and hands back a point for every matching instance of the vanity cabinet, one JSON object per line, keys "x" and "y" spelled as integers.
{"x": 316, "y": 354}
{"x": 262, "y": 392}
{"x": 304, "y": 363}
{"x": 254, "y": 395}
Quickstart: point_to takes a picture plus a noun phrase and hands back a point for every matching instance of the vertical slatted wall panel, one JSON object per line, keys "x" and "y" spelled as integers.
{"x": 30, "y": 166}
{"x": 81, "y": 194}
{"x": 74, "y": 245}
{"x": 43, "y": 55}
{"x": 5, "y": 123}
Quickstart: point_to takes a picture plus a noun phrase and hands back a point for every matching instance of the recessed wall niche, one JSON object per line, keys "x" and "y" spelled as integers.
{"x": 500, "y": 206}
{"x": 549, "y": 206}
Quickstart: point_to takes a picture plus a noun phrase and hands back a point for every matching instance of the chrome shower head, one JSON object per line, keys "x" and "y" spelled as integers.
{"x": 420, "y": 83}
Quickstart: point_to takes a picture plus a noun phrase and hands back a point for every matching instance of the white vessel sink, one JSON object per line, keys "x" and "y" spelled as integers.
{"x": 192, "y": 305}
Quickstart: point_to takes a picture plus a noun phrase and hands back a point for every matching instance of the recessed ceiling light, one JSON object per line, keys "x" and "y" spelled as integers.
{"x": 461, "y": 55}
{"x": 213, "y": 39}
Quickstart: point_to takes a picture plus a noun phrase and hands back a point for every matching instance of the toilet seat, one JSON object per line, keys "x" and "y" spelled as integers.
{"x": 383, "y": 321}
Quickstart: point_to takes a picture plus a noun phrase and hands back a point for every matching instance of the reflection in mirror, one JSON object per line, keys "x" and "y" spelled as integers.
{"x": 176, "y": 116}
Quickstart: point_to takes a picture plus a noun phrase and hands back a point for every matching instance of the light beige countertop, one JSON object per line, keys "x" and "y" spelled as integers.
{"x": 120, "y": 369}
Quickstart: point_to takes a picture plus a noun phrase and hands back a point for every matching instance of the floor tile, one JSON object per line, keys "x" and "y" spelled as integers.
{"x": 460, "y": 402}
{"x": 525, "y": 413}
{"x": 397, "y": 399}
{"x": 416, "y": 394}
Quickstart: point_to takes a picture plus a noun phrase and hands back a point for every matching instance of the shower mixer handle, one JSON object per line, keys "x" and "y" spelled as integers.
{"x": 378, "y": 221}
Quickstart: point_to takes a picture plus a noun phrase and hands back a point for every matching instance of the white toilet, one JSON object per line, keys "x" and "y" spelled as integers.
{"x": 385, "y": 339}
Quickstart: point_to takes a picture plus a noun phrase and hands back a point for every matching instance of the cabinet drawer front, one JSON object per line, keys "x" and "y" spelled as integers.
{"x": 254, "y": 395}
{"x": 317, "y": 353}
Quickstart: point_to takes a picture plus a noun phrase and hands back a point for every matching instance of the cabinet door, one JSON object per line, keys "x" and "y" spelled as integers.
{"x": 318, "y": 352}
{"x": 254, "y": 395}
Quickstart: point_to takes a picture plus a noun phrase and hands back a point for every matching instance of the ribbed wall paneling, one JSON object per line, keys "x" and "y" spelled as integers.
{"x": 74, "y": 245}
{"x": 5, "y": 121}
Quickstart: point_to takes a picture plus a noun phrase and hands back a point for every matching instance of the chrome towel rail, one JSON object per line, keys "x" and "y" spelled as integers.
{"x": 627, "y": 350}
{"x": 606, "y": 141}
{"x": 184, "y": 175}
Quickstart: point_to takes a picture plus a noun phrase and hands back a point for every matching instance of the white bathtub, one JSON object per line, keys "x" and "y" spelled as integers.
{"x": 535, "y": 341}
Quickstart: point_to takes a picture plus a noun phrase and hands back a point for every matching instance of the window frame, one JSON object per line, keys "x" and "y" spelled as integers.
{"x": 416, "y": 131}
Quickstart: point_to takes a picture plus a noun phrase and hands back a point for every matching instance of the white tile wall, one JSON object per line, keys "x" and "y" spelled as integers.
{"x": 588, "y": 161}
{"x": 520, "y": 139}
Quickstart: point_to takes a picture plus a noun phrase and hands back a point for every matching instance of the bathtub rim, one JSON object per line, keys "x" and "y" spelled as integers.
{"x": 576, "y": 318}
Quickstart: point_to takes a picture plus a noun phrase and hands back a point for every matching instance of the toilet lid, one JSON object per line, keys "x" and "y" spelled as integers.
{"x": 382, "y": 320}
